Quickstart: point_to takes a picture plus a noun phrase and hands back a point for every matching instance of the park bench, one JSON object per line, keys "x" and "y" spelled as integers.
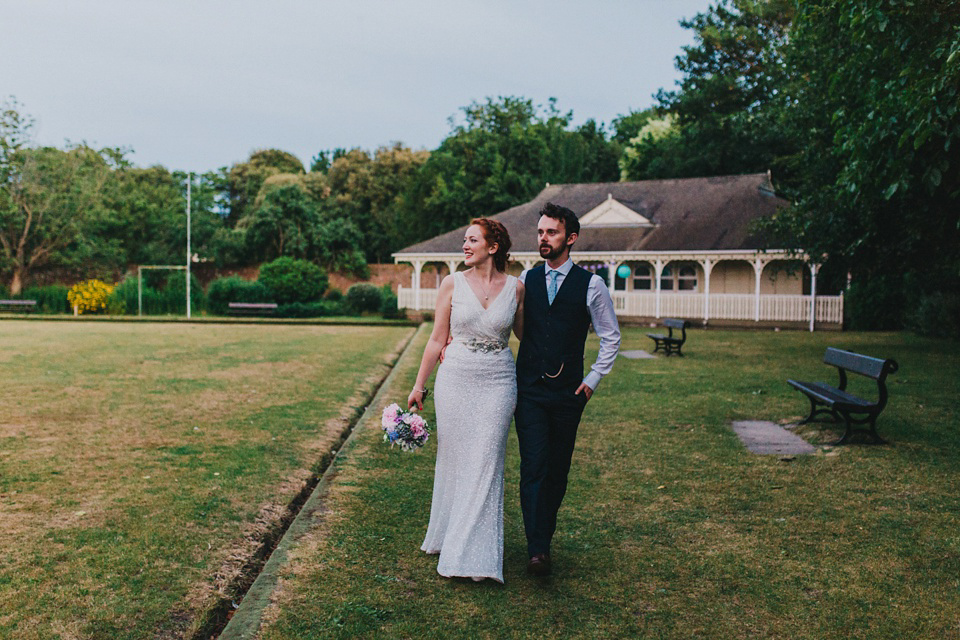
{"x": 18, "y": 305}
{"x": 839, "y": 403}
{"x": 669, "y": 343}
{"x": 251, "y": 308}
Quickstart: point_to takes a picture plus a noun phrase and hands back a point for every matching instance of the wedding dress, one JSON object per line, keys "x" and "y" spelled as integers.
{"x": 475, "y": 395}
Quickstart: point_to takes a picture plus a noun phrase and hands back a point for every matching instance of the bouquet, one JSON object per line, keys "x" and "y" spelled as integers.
{"x": 404, "y": 428}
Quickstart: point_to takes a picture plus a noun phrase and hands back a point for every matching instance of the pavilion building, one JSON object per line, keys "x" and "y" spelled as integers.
{"x": 684, "y": 248}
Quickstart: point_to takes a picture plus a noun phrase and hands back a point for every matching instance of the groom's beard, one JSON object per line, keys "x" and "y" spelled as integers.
{"x": 549, "y": 253}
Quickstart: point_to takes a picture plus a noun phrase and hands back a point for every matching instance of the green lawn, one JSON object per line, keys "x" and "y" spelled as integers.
{"x": 141, "y": 464}
{"x": 670, "y": 528}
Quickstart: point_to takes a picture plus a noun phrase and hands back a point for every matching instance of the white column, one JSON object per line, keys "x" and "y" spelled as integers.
{"x": 528, "y": 263}
{"x": 707, "y": 265}
{"x": 452, "y": 265}
{"x": 758, "y": 264}
{"x": 814, "y": 267}
{"x": 417, "y": 268}
{"x": 658, "y": 268}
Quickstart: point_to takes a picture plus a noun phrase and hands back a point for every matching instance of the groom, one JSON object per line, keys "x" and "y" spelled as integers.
{"x": 561, "y": 302}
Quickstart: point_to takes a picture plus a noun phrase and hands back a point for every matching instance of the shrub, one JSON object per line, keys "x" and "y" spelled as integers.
{"x": 50, "y": 298}
{"x": 316, "y": 309}
{"x": 90, "y": 296}
{"x": 124, "y": 296}
{"x": 363, "y": 297}
{"x": 174, "y": 294}
{"x": 291, "y": 280}
{"x": 333, "y": 295}
{"x": 389, "y": 306}
{"x": 223, "y": 291}
{"x": 937, "y": 315}
{"x": 875, "y": 303}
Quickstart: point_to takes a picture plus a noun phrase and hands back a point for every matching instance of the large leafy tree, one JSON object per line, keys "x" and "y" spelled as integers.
{"x": 291, "y": 224}
{"x": 146, "y": 214}
{"x": 245, "y": 179}
{"x": 876, "y": 107}
{"x": 728, "y": 108}
{"x": 500, "y": 155}
{"x": 46, "y": 197}
{"x": 368, "y": 191}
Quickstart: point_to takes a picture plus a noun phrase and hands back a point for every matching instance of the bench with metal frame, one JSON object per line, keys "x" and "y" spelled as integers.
{"x": 842, "y": 405}
{"x": 26, "y": 306}
{"x": 669, "y": 343}
{"x": 252, "y": 308}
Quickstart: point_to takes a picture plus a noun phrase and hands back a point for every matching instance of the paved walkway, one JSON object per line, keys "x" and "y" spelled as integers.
{"x": 760, "y": 436}
{"x": 636, "y": 354}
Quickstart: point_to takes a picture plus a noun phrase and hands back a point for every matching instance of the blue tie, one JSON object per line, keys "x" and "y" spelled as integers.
{"x": 552, "y": 285}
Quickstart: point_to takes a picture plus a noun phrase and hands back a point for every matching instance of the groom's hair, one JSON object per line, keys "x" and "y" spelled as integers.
{"x": 570, "y": 222}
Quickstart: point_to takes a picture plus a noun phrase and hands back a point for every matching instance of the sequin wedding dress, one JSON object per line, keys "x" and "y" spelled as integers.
{"x": 475, "y": 395}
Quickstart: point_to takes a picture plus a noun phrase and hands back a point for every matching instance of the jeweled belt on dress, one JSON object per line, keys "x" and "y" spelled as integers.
{"x": 485, "y": 346}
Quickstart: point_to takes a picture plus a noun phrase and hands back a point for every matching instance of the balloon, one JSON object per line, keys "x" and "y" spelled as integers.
{"x": 623, "y": 271}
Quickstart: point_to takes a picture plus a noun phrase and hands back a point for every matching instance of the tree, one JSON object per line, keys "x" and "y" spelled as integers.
{"x": 876, "y": 106}
{"x": 501, "y": 155}
{"x": 286, "y": 224}
{"x": 731, "y": 99}
{"x": 289, "y": 223}
{"x": 45, "y": 196}
{"x": 626, "y": 127}
{"x": 245, "y": 179}
{"x": 368, "y": 191}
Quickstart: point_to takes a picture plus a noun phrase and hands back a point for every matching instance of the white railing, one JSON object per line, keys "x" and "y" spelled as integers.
{"x": 407, "y": 300}
{"x": 723, "y": 306}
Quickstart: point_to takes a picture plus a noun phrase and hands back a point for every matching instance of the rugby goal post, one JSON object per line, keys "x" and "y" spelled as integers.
{"x": 175, "y": 267}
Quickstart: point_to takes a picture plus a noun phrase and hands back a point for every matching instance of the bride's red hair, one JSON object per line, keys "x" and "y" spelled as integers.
{"x": 495, "y": 233}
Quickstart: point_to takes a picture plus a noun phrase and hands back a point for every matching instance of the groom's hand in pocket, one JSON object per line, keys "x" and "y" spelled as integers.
{"x": 585, "y": 389}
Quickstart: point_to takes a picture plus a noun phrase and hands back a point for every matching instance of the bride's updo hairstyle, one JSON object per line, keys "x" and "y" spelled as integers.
{"x": 495, "y": 233}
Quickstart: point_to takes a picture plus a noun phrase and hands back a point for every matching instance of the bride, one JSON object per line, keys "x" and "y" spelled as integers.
{"x": 476, "y": 393}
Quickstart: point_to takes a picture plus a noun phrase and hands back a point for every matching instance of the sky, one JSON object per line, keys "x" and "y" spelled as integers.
{"x": 199, "y": 84}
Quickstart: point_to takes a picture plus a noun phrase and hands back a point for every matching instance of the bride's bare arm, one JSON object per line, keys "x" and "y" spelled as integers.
{"x": 518, "y": 318}
{"x": 436, "y": 343}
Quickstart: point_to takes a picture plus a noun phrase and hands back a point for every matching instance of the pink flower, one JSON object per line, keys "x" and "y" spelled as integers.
{"x": 389, "y": 418}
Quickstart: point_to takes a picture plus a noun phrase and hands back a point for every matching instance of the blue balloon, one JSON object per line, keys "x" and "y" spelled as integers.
{"x": 623, "y": 271}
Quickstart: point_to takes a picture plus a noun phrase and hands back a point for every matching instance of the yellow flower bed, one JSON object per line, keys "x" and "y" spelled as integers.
{"x": 90, "y": 296}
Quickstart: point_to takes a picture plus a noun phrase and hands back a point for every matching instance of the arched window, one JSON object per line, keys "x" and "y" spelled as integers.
{"x": 678, "y": 277}
{"x": 666, "y": 279}
{"x": 642, "y": 278}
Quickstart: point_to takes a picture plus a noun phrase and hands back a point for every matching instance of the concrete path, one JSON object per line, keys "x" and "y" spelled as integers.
{"x": 636, "y": 354}
{"x": 760, "y": 436}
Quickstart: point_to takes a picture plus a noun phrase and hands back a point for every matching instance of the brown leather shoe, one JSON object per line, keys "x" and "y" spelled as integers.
{"x": 539, "y": 565}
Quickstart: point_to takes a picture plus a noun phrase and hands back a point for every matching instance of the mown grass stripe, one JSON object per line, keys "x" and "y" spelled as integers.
{"x": 246, "y": 620}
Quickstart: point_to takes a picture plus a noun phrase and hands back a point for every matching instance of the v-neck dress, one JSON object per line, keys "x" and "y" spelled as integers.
{"x": 475, "y": 396}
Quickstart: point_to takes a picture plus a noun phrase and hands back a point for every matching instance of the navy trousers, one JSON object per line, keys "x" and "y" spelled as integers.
{"x": 547, "y": 421}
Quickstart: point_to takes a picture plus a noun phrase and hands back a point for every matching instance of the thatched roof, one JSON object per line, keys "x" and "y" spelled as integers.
{"x": 690, "y": 214}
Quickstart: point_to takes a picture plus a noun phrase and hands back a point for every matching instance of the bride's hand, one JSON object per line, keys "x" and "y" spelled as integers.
{"x": 416, "y": 397}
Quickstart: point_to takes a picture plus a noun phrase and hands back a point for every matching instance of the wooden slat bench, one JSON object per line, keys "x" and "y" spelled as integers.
{"x": 25, "y": 306}
{"x": 837, "y": 402}
{"x": 669, "y": 343}
{"x": 251, "y": 308}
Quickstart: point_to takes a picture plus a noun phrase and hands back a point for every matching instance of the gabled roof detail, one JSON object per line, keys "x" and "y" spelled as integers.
{"x": 612, "y": 213}
{"x": 683, "y": 214}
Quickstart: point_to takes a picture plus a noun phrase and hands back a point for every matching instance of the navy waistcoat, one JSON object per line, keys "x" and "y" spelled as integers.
{"x": 551, "y": 352}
